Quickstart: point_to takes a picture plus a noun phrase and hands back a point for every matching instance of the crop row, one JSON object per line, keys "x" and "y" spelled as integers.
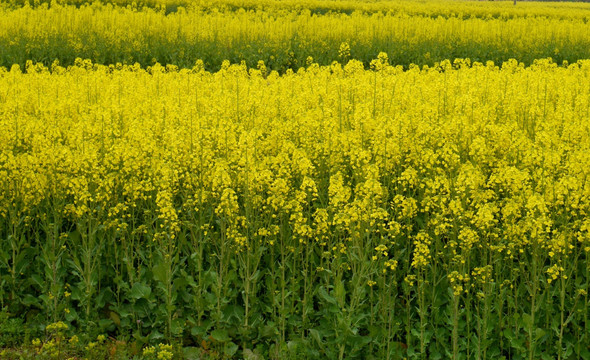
{"x": 282, "y": 38}
{"x": 335, "y": 212}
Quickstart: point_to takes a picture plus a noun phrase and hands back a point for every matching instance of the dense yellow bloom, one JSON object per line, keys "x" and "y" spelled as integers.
{"x": 56, "y": 327}
{"x": 555, "y": 272}
{"x": 421, "y": 253}
{"x": 173, "y": 146}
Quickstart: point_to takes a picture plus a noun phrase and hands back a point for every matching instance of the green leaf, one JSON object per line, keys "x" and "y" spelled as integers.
{"x": 139, "y": 291}
{"x": 115, "y": 317}
{"x": 71, "y": 316}
{"x": 191, "y": 353}
{"x": 77, "y": 293}
{"x": 180, "y": 283}
{"x": 199, "y": 331}
{"x": 230, "y": 348}
{"x": 45, "y": 299}
{"x": 268, "y": 331}
{"x": 160, "y": 272}
{"x": 514, "y": 342}
{"x": 177, "y": 326}
{"x": 29, "y": 300}
{"x": 106, "y": 324}
{"x": 220, "y": 335}
{"x": 435, "y": 355}
{"x": 508, "y": 334}
{"x": 250, "y": 355}
{"x": 376, "y": 331}
{"x": 359, "y": 341}
{"x": 527, "y": 320}
{"x": 339, "y": 291}
{"x": 155, "y": 335}
{"x": 316, "y": 336}
{"x": 37, "y": 280}
{"x": 325, "y": 296}
{"x": 233, "y": 312}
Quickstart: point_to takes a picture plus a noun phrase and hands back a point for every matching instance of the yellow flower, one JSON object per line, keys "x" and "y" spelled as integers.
{"x": 74, "y": 340}
{"x": 148, "y": 351}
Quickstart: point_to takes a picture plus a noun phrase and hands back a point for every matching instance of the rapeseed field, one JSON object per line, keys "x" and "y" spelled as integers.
{"x": 165, "y": 199}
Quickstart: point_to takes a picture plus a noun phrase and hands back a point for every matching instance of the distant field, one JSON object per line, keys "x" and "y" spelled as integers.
{"x": 414, "y": 7}
{"x": 285, "y": 34}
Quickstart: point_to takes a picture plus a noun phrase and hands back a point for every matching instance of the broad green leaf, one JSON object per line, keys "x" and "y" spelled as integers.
{"x": 251, "y": 355}
{"x": 140, "y": 290}
{"x": 230, "y": 348}
{"x": 315, "y": 334}
{"x": 191, "y": 353}
{"x": 115, "y": 317}
{"x": 326, "y": 296}
{"x": 29, "y": 300}
{"x": 339, "y": 292}
{"x": 220, "y": 335}
{"x": 539, "y": 333}
{"x": 106, "y": 324}
{"x": 233, "y": 313}
{"x": 160, "y": 272}
{"x": 527, "y": 320}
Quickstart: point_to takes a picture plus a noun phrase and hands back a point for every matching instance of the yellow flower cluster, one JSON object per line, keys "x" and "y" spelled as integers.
{"x": 457, "y": 281}
{"x": 482, "y": 275}
{"x": 57, "y": 327}
{"x": 422, "y": 254}
{"x": 555, "y": 272}
{"x": 160, "y": 352}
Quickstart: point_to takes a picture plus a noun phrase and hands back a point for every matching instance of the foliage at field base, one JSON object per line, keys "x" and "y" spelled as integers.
{"x": 57, "y": 344}
{"x": 333, "y": 212}
{"x": 284, "y": 34}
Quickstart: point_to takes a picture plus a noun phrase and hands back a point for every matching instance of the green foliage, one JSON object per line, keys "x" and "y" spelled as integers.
{"x": 12, "y": 330}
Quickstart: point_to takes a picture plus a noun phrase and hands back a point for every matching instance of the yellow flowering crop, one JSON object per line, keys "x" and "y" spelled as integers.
{"x": 284, "y": 33}
{"x": 245, "y": 198}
